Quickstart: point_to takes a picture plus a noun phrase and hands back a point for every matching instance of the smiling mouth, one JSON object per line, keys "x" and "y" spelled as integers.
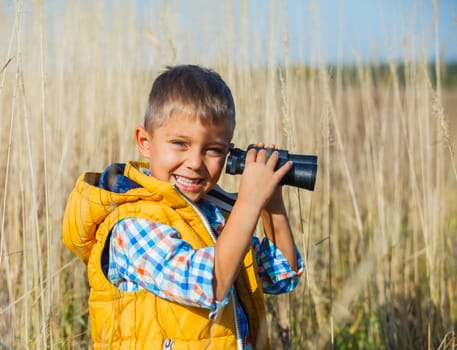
{"x": 186, "y": 182}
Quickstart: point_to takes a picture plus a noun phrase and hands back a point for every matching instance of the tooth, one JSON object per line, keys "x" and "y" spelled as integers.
{"x": 186, "y": 181}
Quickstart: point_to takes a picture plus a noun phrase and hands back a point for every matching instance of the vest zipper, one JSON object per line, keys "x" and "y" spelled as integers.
{"x": 199, "y": 212}
{"x": 168, "y": 344}
{"x": 239, "y": 341}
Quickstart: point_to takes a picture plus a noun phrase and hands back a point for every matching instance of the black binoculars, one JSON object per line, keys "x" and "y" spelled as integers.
{"x": 302, "y": 175}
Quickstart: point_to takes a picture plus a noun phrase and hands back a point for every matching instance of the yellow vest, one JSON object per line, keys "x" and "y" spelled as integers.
{"x": 140, "y": 320}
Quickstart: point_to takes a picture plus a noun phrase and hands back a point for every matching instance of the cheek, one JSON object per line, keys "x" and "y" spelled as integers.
{"x": 162, "y": 163}
{"x": 216, "y": 167}
{"x": 165, "y": 155}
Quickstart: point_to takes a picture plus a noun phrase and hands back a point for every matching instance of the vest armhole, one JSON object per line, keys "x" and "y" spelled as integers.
{"x": 105, "y": 255}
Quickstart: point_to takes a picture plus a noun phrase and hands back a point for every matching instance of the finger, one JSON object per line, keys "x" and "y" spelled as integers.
{"x": 284, "y": 169}
{"x": 251, "y": 155}
{"x": 273, "y": 159}
{"x": 262, "y": 156}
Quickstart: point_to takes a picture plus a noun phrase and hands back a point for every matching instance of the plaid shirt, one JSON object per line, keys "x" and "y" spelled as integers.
{"x": 149, "y": 255}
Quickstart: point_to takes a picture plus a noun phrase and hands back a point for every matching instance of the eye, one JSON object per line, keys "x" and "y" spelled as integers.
{"x": 217, "y": 151}
{"x": 178, "y": 143}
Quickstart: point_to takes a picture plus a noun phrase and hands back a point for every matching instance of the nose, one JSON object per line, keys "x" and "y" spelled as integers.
{"x": 194, "y": 160}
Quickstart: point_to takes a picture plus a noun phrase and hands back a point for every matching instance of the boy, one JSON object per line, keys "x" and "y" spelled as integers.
{"x": 167, "y": 269}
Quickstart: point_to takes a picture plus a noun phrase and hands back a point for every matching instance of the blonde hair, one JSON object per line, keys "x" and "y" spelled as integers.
{"x": 192, "y": 90}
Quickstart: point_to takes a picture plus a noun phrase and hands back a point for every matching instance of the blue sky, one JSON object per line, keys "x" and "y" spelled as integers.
{"x": 379, "y": 29}
{"x": 331, "y": 31}
{"x": 260, "y": 31}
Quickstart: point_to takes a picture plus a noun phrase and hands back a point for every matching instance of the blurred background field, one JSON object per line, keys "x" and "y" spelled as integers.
{"x": 379, "y": 232}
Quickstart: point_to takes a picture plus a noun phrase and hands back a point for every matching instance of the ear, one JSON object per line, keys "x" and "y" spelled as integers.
{"x": 143, "y": 141}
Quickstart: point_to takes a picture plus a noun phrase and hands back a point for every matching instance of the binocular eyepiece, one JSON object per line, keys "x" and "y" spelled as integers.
{"x": 302, "y": 175}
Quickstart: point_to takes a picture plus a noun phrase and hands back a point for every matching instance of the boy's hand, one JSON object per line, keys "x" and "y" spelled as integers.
{"x": 259, "y": 194}
{"x": 259, "y": 181}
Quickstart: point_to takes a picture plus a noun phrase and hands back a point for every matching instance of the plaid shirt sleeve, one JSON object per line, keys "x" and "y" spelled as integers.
{"x": 275, "y": 273}
{"x": 152, "y": 256}
{"x": 274, "y": 270}
{"x": 149, "y": 255}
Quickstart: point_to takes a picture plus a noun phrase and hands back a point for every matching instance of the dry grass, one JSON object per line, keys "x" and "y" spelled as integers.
{"x": 378, "y": 234}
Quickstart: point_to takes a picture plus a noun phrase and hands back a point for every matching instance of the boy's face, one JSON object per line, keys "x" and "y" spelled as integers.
{"x": 187, "y": 153}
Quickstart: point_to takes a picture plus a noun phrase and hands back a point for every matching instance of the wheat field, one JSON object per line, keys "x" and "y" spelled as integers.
{"x": 378, "y": 234}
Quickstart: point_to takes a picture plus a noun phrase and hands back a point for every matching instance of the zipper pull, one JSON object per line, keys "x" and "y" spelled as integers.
{"x": 168, "y": 345}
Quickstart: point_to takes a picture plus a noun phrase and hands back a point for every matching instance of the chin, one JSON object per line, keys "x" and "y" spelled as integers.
{"x": 193, "y": 197}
